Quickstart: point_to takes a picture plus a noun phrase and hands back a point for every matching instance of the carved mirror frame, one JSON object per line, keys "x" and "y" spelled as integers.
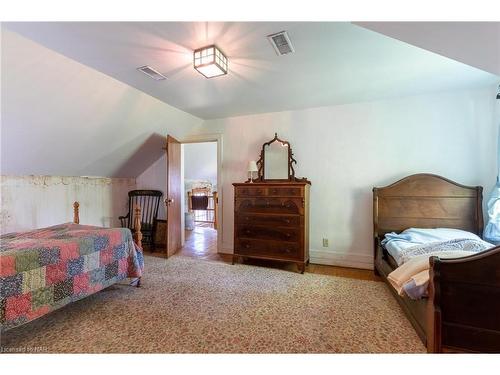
{"x": 291, "y": 161}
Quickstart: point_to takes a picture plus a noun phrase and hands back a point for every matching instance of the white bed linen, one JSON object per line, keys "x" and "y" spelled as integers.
{"x": 396, "y": 243}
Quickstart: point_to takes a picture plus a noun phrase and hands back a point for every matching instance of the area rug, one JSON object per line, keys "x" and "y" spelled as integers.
{"x": 187, "y": 305}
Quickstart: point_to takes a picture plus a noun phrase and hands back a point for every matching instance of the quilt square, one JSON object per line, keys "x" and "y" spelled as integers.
{"x": 17, "y": 306}
{"x": 111, "y": 270}
{"x": 100, "y": 243}
{"x": 11, "y": 285}
{"x": 63, "y": 289}
{"x": 120, "y": 251}
{"x": 97, "y": 275}
{"x": 2, "y": 310}
{"x": 7, "y": 265}
{"x": 69, "y": 250}
{"x": 91, "y": 262}
{"x": 86, "y": 245}
{"x": 123, "y": 266}
{"x": 49, "y": 256}
{"x": 106, "y": 256}
{"x": 27, "y": 260}
{"x": 81, "y": 283}
{"x": 42, "y": 297}
{"x": 56, "y": 273}
{"x": 75, "y": 266}
{"x": 36, "y": 313}
{"x": 33, "y": 279}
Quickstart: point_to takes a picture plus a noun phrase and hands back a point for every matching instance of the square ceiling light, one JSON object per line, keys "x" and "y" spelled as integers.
{"x": 210, "y": 61}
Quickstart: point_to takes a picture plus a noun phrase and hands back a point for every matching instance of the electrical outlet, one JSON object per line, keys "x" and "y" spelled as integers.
{"x": 325, "y": 242}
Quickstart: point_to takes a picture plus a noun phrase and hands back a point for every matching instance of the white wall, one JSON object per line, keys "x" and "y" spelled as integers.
{"x": 30, "y": 202}
{"x": 346, "y": 150}
{"x": 200, "y": 161}
{"x": 155, "y": 178}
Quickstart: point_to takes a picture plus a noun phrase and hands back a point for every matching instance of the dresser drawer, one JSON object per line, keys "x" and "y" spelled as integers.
{"x": 270, "y": 205}
{"x": 273, "y": 220}
{"x": 284, "y": 191}
{"x": 261, "y": 191}
{"x": 269, "y": 233}
{"x": 251, "y": 191}
{"x": 264, "y": 248}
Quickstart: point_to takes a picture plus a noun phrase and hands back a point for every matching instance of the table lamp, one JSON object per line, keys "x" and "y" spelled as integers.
{"x": 252, "y": 167}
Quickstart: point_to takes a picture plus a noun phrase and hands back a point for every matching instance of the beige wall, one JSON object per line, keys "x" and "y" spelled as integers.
{"x": 30, "y": 202}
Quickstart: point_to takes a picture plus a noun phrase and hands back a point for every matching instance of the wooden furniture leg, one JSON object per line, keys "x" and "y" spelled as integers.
{"x": 301, "y": 267}
{"x": 76, "y": 213}
{"x": 137, "y": 234}
{"x": 137, "y": 226}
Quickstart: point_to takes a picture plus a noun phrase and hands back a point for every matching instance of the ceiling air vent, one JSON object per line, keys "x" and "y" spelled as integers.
{"x": 157, "y": 76}
{"x": 281, "y": 43}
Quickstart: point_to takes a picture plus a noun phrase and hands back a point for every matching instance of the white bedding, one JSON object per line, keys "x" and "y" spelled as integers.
{"x": 412, "y": 248}
{"x": 397, "y": 244}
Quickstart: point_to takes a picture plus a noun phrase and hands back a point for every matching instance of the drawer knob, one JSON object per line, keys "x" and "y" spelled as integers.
{"x": 247, "y": 246}
{"x": 287, "y": 221}
{"x": 288, "y": 235}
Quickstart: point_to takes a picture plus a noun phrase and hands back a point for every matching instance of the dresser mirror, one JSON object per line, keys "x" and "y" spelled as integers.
{"x": 276, "y": 161}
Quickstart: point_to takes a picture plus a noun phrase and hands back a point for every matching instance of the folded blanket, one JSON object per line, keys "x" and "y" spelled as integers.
{"x": 412, "y": 277}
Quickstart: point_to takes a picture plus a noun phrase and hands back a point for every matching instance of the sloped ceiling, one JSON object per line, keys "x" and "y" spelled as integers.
{"x": 62, "y": 118}
{"x": 474, "y": 43}
{"x": 334, "y": 63}
{"x": 73, "y": 102}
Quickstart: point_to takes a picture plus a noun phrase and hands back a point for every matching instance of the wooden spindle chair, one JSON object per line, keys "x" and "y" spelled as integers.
{"x": 149, "y": 201}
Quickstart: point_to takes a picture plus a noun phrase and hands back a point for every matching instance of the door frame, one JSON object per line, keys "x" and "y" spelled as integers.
{"x": 203, "y": 138}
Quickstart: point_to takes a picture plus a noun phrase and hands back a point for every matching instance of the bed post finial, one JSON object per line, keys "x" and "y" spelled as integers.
{"x": 137, "y": 226}
{"x": 76, "y": 213}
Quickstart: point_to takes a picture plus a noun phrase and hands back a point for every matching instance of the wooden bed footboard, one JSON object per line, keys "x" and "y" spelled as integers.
{"x": 464, "y": 303}
{"x": 137, "y": 234}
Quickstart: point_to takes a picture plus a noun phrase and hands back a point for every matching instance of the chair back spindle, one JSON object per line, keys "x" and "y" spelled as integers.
{"x": 149, "y": 202}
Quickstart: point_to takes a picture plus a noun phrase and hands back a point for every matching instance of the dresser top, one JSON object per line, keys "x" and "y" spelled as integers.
{"x": 273, "y": 183}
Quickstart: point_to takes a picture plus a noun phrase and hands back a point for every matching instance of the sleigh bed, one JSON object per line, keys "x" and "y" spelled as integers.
{"x": 45, "y": 269}
{"x": 461, "y": 313}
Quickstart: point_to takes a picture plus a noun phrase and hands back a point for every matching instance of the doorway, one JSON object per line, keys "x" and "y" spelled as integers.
{"x": 201, "y": 198}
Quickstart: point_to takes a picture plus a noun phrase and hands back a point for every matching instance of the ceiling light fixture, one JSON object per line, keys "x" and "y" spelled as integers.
{"x": 210, "y": 61}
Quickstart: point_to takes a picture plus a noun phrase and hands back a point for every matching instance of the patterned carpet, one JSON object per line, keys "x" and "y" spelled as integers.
{"x": 195, "y": 306}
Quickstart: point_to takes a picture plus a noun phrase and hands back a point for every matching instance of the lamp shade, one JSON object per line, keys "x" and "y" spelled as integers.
{"x": 252, "y": 166}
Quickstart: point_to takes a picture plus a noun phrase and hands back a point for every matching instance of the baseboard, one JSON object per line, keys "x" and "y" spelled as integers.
{"x": 330, "y": 258}
{"x": 226, "y": 250}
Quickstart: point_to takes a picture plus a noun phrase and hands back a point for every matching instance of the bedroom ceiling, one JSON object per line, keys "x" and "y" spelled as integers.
{"x": 334, "y": 62}
{"x": 473, "y": 43}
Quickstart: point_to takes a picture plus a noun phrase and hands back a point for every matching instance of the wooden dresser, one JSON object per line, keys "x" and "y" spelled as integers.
{"x": 271, "y": 221}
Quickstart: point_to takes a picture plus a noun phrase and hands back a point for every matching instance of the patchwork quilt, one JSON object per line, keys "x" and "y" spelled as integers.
{"x": 45, "y": 269}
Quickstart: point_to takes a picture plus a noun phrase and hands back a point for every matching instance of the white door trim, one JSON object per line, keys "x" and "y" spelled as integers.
{"x": 200, "y": 138}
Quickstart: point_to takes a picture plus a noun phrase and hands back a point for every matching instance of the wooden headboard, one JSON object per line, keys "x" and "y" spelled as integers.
{"x": 427, "y": 201}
